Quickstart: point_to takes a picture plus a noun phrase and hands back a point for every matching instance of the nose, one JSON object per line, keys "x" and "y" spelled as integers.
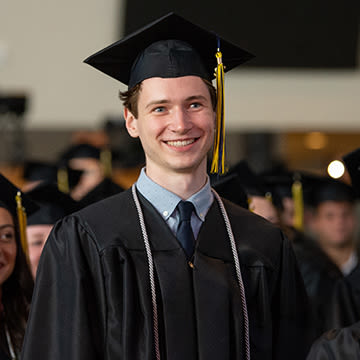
{"x": 180, "y": 121}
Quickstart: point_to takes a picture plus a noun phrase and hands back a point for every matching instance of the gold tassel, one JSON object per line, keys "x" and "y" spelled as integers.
{"x": 218, "y": 159}
{"x": 63, "y": 181}
{"x": 297, "y": 194}
{"x": 21, "y": 214}
{"x": 106, "y": 161}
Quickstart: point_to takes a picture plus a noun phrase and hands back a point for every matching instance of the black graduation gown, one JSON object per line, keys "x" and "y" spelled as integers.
{"x": 3, "y": 356}
{"x": 92, "y": 296}
{"x": 334, "y": 298}
{"x": 337, "y": 344}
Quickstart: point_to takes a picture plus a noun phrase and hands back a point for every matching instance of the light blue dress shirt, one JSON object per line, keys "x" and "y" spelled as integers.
{"x": 165, "y": 202}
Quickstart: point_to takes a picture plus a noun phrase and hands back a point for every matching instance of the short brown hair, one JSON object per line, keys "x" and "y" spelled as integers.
{"x": 130, "y": 97}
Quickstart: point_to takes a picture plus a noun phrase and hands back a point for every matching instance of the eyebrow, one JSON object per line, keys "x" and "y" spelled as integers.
{"x": 165, "y": 101}
{"x": 6, "y": 225}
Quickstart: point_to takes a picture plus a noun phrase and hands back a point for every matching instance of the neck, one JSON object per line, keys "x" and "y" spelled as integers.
{"x": 339, "y": 255}
{"x": 183, "y": 184}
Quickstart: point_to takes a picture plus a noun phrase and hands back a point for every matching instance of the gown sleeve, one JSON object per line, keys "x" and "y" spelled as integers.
{"x": 67, "y": 316}
{"x": 290, "y": 307}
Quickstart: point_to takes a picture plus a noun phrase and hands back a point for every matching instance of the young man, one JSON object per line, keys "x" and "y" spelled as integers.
{"x": 330, "y": 260}
{"x": 125, "y": 278}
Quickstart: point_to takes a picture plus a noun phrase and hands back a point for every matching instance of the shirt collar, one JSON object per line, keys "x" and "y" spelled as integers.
{"x": 165, "y": 201}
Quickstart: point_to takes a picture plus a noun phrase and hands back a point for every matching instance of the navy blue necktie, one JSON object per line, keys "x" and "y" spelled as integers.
{"x": 184, "y": 231}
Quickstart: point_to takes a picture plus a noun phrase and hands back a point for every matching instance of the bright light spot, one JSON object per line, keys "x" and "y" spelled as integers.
{"x": 336, "y": 169}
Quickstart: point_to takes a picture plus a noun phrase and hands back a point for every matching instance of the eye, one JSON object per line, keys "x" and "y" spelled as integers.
{"x": 37, "y": 243}
{"x": 7, "y": 236}
{"x": 159, "y": 109}
{"x": 195, "y": 105}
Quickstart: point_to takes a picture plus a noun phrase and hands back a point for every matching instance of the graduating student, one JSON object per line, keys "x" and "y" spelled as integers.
{"x": 343, "y": 343}
{"x": 16, "y": 283}
{"x": 167, "y": 269}
{"x": 53, "y": 206}
{"x": 330, "y": 260}
{"x": 95, "y": 164}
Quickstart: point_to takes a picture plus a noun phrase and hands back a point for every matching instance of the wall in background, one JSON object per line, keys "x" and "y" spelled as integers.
{"x": 43, "y": 44}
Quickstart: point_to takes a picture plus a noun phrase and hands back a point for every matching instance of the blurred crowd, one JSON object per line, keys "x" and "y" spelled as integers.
{"x": 317, "y": 213}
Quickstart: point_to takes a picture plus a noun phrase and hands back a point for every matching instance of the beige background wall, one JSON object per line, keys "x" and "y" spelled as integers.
{"x": 43, "y": 43}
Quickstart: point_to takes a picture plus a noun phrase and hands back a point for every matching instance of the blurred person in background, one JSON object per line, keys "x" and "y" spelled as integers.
{"x": 344, "y": 342}
{"x": 330, "y": 255}
{"x": 259, "y": 198}
{"x": 95, "y": 182}
{"x": 53, "y": 206}
{"x": 16, "y": 283}
{"x": 37, "y": 172}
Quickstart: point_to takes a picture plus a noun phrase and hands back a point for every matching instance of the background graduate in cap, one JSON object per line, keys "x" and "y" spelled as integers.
{"x": 53, "y": 206}
{"x": 343, "y": 342}
{"x": 167, "y": 269}
{"x": 16, "y": 284}
{"x": 95, "y": 165}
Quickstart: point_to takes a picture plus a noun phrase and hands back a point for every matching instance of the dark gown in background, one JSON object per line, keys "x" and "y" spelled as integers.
{"x": 337, "y": 344}
{"x": 334, "y": 298}
{"x": 93, "y": 301}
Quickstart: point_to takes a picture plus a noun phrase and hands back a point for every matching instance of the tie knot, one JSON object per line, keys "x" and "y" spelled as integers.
{"x": 185, "y": 210}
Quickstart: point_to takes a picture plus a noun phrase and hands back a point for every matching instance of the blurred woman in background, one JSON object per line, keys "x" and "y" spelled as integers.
{"x": 16, "y": 284}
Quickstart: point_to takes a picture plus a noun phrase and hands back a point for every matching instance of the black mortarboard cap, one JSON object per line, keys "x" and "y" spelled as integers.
{"x": 80, "y": 151}
{"x": 352, "y": 163}
{"x": 280, "y": 180}
{"x": 327, "y": 189}
{"x": 53, "y": 203}
{"x": 8, "y": 192}
{"x": 39, "y": 171}
{"x": 48, "y": 173}
{"x": 250, "y": 181}
{"x": 230, "y": 188}
{"x": 168, "y": 47}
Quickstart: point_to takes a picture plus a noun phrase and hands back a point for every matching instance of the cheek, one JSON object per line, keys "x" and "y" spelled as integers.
{"x": 10, "y": 254}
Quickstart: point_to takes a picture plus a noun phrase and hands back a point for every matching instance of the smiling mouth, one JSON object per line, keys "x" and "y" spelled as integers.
{"x": 180, "y": 143}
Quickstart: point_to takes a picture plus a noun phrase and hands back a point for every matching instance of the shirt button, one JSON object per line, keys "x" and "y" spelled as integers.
{"x": 165, "y": 213}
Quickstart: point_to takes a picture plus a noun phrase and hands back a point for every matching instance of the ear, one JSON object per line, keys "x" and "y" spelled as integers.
{"x": 131, "y": 123}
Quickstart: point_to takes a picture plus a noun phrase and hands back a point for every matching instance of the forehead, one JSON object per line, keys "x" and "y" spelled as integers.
{"x": 5, "y": 217}
{"x": 335, "y": 205}
{"x": 157, "y": 88}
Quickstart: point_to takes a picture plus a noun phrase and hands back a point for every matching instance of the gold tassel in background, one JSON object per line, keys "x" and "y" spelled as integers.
{"x": 21, "y": 214}
{"x": 106, "y": 161}
{"x": 297, "y": 194}
{"x": 63, "y": 180}
{"x": 218, "y": 160}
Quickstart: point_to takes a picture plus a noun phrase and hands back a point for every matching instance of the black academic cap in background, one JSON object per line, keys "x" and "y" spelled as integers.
{"x": 280, "y": 180}
{"x": 319, "y": 189}
{"x": 352, "y": 163}
{"x": 39, "y": 171}
{"x": 8, "y": 192}
{"x": 53, "y": 204}
{"x": 250, "y": 181}
{"x": 230, "y": 188}
{"x": 79, "y": 151}
{"x": 49, "y": 173}
{"x": 169, "y": 47}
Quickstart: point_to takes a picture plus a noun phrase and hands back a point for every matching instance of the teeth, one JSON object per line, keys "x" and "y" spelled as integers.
{"x": 180, "y": 143}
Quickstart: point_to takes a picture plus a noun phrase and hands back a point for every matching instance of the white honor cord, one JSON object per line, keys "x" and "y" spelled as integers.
{"x": 238, "y": 274}
{"x": 152, "y": 278}
{"x": 151, "y": 272}
{"x": 11, "y": 349}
